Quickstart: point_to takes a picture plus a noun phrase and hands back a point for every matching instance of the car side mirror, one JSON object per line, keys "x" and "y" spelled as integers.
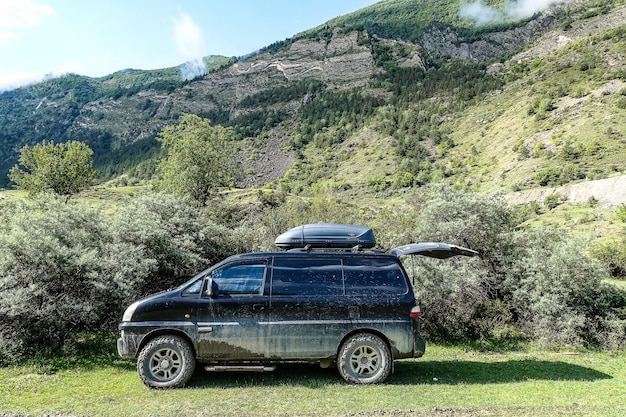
{"x": 212, "y": 289}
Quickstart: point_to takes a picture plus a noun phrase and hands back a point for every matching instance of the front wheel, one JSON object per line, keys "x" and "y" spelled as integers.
{"x": 166, "y": 362}
{"x": 364, "y": 359}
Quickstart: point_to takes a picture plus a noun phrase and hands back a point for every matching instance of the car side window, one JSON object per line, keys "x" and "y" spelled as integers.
{"x": 194, "y": 288}
{"x": 240, "y": 279}
{"x": 296, "y": 276}
{"x": 374, "y": 276}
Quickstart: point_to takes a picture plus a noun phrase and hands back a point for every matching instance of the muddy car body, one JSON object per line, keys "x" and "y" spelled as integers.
{"x": 333, "y": 306}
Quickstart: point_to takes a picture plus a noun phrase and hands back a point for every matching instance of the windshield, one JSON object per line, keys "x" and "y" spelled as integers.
{"x": 197, "y": 277}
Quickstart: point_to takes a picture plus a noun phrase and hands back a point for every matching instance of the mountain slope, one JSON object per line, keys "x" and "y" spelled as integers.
{"x": 401, "y": 93}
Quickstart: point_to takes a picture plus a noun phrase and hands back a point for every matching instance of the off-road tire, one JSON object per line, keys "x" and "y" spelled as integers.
{"x": 364, "y": 359}
{"x": 166, "y": 362}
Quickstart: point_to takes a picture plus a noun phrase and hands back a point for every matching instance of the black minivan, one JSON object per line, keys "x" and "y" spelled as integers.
{"x": 327, "y": 299}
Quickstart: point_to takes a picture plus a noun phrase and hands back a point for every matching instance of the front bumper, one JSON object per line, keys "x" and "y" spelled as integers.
{"x": 133, "y": 335}
{"x": 127, "y": 345}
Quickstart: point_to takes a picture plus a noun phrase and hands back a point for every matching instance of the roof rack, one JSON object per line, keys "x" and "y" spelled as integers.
{"x": 354, "y": 249}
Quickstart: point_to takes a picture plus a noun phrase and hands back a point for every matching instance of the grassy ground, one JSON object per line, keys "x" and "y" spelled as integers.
{"x": 448, "y": 381}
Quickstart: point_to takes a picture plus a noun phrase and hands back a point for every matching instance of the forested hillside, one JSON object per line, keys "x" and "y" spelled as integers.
{"x": 426, "y": 91}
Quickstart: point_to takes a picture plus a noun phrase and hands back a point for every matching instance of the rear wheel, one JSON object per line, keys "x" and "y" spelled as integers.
{"x": 166, "y": 362}
{"x": 364, "y": 359}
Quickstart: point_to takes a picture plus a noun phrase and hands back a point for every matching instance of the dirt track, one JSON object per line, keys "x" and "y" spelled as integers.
{"x": 609, "y": 192}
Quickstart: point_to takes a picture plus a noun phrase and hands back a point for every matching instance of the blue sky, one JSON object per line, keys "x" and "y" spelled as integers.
{"x": 99, "y": 37}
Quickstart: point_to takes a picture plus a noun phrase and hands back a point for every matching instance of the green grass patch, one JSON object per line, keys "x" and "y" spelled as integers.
{"x": 449, "y": 380}
{"x": 619, "y": 283}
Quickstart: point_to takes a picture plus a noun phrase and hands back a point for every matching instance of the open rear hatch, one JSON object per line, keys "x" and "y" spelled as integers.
{"x": 433, "y": 250}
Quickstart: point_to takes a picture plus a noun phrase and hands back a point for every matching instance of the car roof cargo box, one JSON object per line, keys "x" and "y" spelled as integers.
{"x": 324, "y": 235}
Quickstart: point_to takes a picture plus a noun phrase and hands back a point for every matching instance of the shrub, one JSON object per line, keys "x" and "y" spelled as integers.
{"x": 613, "y": 256}
{"x": 459, "y": 296}
{"x": 554, "y": 200}
{"x": 402, "y": 179}
{"x": 620, "y": 213}
{"x": 540, "y": 107}
{"x": 547, "y": 176}
{"x": 67, "y": 269}
{"x": 59, "y": 274}
{"x": 557, "y": 292}
{"x": 173, "y": 234}
{"x": 379, "y": 183}
{"x": 537, "y": 284}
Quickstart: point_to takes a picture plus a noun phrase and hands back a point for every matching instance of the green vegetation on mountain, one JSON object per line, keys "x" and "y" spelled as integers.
{"x": 400, "y": 19}
{"x": 558, "y": 120}
{"x": 47, "y": 110}
{"x": 64, "y": 168}
{"x": 427, "y": 107}
{"x": 198, "y": 160}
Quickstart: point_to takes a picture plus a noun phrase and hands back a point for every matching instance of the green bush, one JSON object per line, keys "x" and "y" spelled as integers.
{"x": 613, "y": 256}
{"x": 547, "y": 176}
{"x": 174, "y": 234}
{"x": 459, "y": 295}
{"x": 533, "y": 284}
{"x": 557, "y": 294}
{"x": 554, "y": 200}
{"x": 59, "y": 274}
{"x": 68, "y": 268}
{"x": 380, "y": 183}
{"x": 620, "y": 213}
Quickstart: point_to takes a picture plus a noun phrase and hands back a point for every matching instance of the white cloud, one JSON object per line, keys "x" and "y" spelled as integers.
{"x": 21, "y": 79}
{"x": 512, "y": 10}
{"x": 20, "y": 14}
{"x": 526, "y": 8}
{"x": 6, "y": 36}
{"x": 18, "y": 79}
{"x": 480, "y": 13}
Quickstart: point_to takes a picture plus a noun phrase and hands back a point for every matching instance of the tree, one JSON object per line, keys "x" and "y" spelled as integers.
{"x": 200, "y": 158}
{"x": 64, "y": 168}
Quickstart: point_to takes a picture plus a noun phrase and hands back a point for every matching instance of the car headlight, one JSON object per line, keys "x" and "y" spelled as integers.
{"x": 128, "y": 314}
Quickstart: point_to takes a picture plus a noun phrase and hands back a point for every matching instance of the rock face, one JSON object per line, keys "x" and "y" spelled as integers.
{"x": 540, "y": 30}
{"x": 490, "y": 45}
{"x": 556, "y": 39}
{"x": 341, "y": 63}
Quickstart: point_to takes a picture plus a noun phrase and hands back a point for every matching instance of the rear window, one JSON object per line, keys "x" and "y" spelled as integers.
{"x": 368, "y": 276}
{"x": 307, "y": 277}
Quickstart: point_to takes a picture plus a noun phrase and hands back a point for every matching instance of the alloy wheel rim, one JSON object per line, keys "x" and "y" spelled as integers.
{"x": 165, "y": 364}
